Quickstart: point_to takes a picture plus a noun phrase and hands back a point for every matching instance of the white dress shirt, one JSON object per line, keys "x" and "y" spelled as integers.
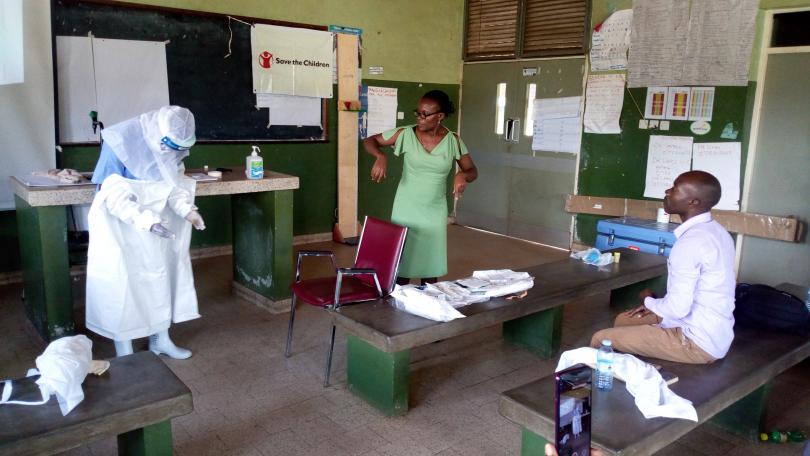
{"x": 700, "y": 285}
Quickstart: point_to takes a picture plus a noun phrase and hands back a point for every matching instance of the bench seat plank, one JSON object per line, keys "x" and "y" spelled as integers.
{"x": 380, "y": 324}
{"x": 619, "y": 427}
{"x": 137, "y": 391}
{"x": 381, "y": 337}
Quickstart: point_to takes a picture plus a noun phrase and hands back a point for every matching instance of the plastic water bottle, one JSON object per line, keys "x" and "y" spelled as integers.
{"x": 604, "y": 366}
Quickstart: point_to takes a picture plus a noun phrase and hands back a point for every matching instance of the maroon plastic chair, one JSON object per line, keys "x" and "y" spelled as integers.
{"x": 372, "y": 276}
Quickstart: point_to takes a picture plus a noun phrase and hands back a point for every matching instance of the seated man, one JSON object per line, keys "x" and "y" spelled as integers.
{"x": 693, "y": 323}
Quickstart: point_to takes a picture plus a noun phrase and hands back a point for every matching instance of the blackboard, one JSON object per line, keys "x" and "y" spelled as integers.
{"x": 218, "y": 90}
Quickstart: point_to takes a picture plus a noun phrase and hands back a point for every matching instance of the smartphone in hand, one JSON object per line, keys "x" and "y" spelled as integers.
{"x": 573, "y": 411}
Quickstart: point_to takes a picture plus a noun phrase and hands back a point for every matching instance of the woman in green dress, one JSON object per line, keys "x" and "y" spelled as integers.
{"x": 430, "y": 150}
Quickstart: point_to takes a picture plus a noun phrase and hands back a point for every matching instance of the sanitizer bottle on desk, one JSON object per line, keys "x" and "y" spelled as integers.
{"x": 254, "y": 164}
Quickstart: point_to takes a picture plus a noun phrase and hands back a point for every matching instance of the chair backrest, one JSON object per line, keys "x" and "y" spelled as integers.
{"x": 380, "y": 248}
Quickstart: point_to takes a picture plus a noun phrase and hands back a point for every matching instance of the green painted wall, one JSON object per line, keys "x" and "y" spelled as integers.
{"x": 417, "y": 40}
{"x": 418, "y": 43}
{"x": 376, "y": 199}
{"x": 615, "y": 165}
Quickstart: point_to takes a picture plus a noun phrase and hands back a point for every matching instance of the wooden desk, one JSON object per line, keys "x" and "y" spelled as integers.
{"x": 733, "y": 390}
{"x": 262, "y": 214}
{"x": 380, "y": 339}
{"x": 135, "y": 400}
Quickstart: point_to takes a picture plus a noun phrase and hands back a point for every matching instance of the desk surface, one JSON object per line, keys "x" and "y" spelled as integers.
{"x": 137, "y": 390}
{"x": 231, "y": 183}
{"x": 383, "y": 326}
{"x": 754, "y": 358}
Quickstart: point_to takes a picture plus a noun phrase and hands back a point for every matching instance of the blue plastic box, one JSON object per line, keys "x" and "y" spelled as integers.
{"x": 643, "y": 235}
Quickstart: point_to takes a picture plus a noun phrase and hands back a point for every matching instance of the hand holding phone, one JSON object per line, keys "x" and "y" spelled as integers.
{"x": 573, "y": 411}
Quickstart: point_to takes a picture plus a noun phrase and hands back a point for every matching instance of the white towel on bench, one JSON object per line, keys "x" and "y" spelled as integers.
{"x": 653, "y": 396}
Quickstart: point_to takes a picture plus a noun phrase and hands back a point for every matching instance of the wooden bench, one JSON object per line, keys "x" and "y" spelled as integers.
{"x": 135, "y": 400}
{"x": 381, "y": 337}
{"x": 732, "y": 392}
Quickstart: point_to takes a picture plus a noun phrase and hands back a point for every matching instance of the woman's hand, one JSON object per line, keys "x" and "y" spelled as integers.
{"x": 459, "y": 184}
{"x": 378, "y": 171}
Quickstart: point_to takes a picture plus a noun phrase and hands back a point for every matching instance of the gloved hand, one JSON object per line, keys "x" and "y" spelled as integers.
{"x": 160, "y": 230}
{"x": 196, "y": 219}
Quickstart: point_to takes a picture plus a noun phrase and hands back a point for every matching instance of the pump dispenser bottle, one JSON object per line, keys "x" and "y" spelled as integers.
{"x": 254, "y": 164}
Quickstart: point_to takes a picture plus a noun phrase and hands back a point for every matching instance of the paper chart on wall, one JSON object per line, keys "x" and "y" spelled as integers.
{"x": 678, "y": 103}
{"x": 723, "y": 161}
{"x": 701, "y": 103}
{"x": 659, "y": 35}
{"x": 610, "y": 42}
{"x": 291, "y": 109}
{"x": 604, "y": 97}
{"x": 667, "y": 158}
{"x": 557, "y": 124}
{"x": 656, "y": 104}
{"x": 382, "y": 110}
{"x": 721, "y": 36}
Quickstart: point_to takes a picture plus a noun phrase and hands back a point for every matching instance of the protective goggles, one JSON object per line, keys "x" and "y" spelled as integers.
{"x": 172, "y": 145}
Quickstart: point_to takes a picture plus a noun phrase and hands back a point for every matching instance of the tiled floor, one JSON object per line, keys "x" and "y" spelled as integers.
{"x": 249, "y": 399}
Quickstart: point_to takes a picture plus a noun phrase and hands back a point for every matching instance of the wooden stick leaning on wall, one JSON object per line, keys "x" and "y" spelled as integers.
{"x": 348, "y": 103}
{"x": 765, "y": 226}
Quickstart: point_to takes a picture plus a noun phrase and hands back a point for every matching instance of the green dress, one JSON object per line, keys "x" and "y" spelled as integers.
{"x": 421, "y": 201}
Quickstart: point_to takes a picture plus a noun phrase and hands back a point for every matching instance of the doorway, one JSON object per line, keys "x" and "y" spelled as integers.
{"x": 519, "y": 192}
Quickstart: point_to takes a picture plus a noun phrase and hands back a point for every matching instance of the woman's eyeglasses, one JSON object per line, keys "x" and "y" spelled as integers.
{"x": 424, "y": 115}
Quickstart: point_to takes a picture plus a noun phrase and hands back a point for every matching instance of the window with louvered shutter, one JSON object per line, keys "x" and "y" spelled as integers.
{"x": 554, "y": 27}
{"x": 491, "y": 29}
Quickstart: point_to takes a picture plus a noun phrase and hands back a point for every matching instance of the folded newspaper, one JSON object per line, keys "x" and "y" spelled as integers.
{"x": 439, "y": 301}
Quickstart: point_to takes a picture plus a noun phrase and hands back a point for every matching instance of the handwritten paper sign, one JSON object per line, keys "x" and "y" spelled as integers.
{"x": 723, "y": 161}
{"x": 557, "y": 124}
{"x": 610, "y": 42}
{"x": 603, "y": 103}
{"x": 667, "y": 158}
{"x": 382, "y": 109}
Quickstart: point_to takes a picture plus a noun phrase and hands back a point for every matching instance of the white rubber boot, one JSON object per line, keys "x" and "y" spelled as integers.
{"x": 162, "y": 343}
{"x": 123, "y": 347}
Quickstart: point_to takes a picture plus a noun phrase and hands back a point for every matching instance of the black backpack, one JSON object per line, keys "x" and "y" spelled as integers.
{"x": 764, "y": 307}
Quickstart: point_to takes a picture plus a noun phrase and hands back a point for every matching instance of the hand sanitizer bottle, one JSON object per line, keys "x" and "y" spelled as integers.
{"x": 254, "y": 164}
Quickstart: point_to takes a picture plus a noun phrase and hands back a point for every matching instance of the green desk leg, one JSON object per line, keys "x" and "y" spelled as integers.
{"x": 262, "y": 243}
{"x": 42, "y": 232}
{"x": 745, "y": 417}
{"x": 380, "y": 378}
{"x": 539, "y": 332}
{"x": 627, "y": 297}
{"x": 152, "y": 440}
{"x": 531, "y": 444}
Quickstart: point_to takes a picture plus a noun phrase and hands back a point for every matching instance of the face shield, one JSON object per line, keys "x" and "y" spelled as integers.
{"x": 153, "y": 145}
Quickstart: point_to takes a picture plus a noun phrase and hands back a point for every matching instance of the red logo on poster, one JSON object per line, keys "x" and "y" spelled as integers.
{"x": 265, "y": 59}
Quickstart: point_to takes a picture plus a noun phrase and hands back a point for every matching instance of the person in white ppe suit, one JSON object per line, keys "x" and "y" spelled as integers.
{"x": 139, "y": 277}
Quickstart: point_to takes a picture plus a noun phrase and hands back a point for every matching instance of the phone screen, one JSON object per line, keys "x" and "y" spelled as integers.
{"x": 573, "y": 416}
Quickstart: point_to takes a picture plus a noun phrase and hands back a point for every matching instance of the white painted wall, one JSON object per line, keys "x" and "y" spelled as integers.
{"x": 27, "y": 109}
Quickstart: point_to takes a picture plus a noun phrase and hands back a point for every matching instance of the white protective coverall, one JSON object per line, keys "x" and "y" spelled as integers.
{"x": 138, "y": 282}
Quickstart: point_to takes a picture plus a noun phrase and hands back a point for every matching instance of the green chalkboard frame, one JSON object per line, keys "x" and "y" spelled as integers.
{"x": 217, "y": 90}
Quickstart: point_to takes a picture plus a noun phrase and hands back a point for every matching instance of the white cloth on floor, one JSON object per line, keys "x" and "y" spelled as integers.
{"x": 652, "y": 395}
{"x": 502, "y": 282}
{"x": 426, "y": 302}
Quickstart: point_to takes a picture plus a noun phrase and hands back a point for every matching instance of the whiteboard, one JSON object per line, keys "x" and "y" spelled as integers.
{"x": 77, "y": 93}
{"x": 131, "y": 78}
{"x": 27, "y": 109}
{"x": 119, "y": 79}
